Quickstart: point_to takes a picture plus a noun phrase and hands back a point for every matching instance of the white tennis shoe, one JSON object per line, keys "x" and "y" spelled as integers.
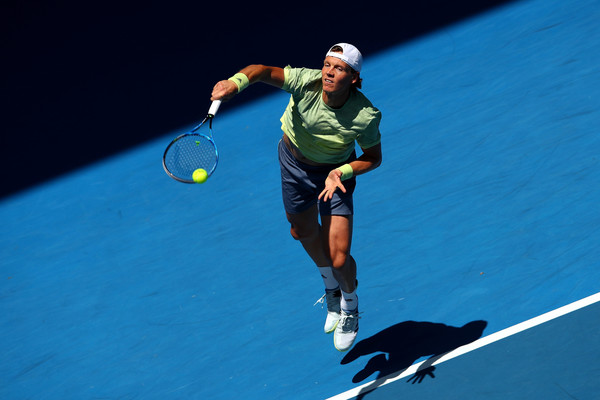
{"x": 346, "y": 330}
{"x": 332, "y": 298}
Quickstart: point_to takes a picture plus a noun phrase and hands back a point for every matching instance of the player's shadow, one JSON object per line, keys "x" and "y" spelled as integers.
{"x": 401, "y": 345}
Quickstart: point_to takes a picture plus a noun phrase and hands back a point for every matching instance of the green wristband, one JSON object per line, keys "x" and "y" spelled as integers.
{"x": 241, "y": 80}
{"x": 347, "y": 172}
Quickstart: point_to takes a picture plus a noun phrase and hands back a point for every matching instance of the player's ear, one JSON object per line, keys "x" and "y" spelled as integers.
{"x": 356, "y": 79}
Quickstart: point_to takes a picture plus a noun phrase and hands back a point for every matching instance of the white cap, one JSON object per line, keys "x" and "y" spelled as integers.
{"x": 350, "y": 55}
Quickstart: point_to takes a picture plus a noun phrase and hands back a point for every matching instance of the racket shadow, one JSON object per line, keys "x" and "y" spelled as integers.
{"x": 401, "y": 345}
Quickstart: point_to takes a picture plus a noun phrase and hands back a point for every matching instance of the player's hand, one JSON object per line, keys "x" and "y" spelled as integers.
{"x": 224, "y": 90}
{"x": 333, "y": 181}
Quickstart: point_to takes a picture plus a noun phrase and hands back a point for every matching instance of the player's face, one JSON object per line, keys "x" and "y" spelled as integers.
{"x": 337, "y": 76}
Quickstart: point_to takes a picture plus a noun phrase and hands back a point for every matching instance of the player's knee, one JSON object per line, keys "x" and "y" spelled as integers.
{"x": 295, "y": 233}
{"x": 302, "y": 234}
{"x": 339, "y": 259}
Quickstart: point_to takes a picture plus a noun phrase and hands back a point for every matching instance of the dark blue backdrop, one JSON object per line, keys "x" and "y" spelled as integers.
{"x": 117, "y": 73}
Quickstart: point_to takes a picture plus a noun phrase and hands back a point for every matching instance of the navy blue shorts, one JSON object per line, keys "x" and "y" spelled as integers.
{"x": 302, "y": 183}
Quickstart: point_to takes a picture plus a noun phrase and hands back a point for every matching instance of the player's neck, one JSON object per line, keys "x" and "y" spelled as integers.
{"x": 336, "y": 99}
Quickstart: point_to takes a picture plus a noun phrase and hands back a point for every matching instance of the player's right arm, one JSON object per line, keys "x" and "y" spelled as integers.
{"x": 274, "y": 76}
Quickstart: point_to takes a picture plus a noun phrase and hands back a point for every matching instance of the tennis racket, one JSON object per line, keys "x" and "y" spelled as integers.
{"x": 193, "y": 150}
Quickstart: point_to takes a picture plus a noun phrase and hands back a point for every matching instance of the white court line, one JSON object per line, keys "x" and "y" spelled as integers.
{"x": 494, "y": 337}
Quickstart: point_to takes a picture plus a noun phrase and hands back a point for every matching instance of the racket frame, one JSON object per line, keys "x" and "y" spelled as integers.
{"x": 193, "y": 132}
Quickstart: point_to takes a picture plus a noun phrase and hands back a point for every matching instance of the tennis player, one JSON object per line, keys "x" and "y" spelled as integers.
{"x": 325, "y": 117}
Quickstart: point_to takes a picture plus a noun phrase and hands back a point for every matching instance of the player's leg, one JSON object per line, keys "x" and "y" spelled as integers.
{"x": 306, "y": 229}
{"x": 299, "y": 192}
{"x": 337, "y": 230}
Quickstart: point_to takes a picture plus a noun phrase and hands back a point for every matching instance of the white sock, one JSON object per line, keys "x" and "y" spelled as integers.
{"x": 328, "y": 278}
{"x": 349, "y": 301}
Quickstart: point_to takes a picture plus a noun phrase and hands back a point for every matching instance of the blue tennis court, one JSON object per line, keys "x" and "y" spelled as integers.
{"x": 120, "y": 283}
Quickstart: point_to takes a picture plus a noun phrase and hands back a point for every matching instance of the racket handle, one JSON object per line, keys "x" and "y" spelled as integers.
{"x": 214, "y": 107}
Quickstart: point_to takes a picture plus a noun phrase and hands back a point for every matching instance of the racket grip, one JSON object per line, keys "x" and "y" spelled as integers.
{"x": 214, "y": 107}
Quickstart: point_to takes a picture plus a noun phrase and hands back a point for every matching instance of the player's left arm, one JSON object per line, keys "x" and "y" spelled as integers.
{"x": 368, "y": 161}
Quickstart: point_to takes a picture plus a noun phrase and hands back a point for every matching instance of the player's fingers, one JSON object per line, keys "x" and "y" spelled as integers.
{"x": 323, "y": 195}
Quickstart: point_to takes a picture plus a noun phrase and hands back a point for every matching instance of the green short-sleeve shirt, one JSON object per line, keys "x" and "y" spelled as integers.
{"x": 324, "y": 134}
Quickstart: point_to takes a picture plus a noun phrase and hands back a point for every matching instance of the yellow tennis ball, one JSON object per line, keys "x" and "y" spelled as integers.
{"x": 200, "y": 175}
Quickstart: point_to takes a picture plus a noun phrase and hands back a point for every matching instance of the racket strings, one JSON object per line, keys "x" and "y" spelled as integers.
{"x": 189, "y": 153}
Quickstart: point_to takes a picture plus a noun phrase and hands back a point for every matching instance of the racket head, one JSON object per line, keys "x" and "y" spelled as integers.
{"x": 188, "y": 152}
